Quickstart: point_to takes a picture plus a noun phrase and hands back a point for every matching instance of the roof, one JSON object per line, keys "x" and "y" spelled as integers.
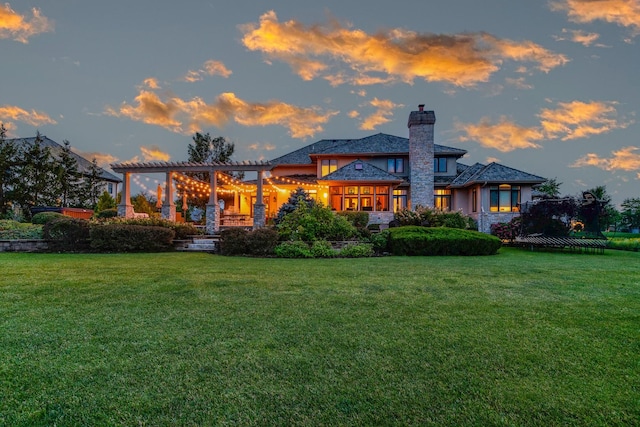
{"x": 359, "y": 170}
{"x": 377, "y": 145}
{"x": 494, "y": 173}
{"x": 84, "y": 165}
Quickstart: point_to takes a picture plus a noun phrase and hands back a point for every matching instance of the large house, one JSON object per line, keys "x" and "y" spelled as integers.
{"x": 383, "y": 173}
{"x": 84, "y": 166}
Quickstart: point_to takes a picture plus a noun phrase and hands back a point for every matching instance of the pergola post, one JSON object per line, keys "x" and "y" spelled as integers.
{"x": 212, "y": 215}
{"x": 168, "y": 206}
{"x": 125, "y": 208}
{"x": 259, "y": 214}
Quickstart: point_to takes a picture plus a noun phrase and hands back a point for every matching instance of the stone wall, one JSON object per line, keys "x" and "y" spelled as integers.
{"x": 421, "y": 147}
{"x": 24, "y": 245}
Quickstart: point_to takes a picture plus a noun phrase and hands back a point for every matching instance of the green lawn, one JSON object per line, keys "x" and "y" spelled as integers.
{"x": 519, "y": 338}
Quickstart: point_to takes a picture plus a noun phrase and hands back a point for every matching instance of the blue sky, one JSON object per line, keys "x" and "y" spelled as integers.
{"x": 549, "y": 87}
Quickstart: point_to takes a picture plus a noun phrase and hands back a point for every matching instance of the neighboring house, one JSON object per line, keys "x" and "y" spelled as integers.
{"x": 383, "y": 173}
{"x": 110, "y": 180}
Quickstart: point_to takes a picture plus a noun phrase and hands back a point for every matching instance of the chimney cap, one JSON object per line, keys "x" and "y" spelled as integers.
{"x": 421, "y": 107}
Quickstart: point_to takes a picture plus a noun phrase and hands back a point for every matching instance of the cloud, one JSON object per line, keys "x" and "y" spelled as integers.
{"x": 384, "y": 109}
{"x": 151, "y": 83}
{"x": 625, "y": 13}
{"x": 188, "y": 116}
{"x": 519, "y": 83}
{"x": 578, "y": 119}
{"x": 210, "y": 67}
{"x": 571, "y": 120}
{"x": 503, "y": 136}
{"x": 154, "y": 152}
{"x": 33, "y": 117}
{"x": 626, "y": 159}
{"x": 257, "y": 146}
{"x": 353, "y": 114}
{"x": 579, "y": 36}
{"x": 20, "y": 27}
{"x": 103, "y": 159}
{"x": 395, "y": 55}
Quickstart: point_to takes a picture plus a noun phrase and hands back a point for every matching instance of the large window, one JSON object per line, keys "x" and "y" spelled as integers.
{"x": 359, "y": 198}
{"x": 395, "y": 165}
{"x": 505, "y": 198}
{"x": 440, "y": 164}
{"x": 442, "y": 199}
{"x": 399, "y": 200}
{"x": 328, "y": 166}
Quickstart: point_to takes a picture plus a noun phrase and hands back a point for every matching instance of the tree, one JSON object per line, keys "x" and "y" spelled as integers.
{"x": 105, "y": 202}
{"x": 69, "y": 178}
{"x": 550, "y": 188}
{"x": 608, "y": 214}
{"x": 297, "y": 197}
{"x": 92, "y": 184}
{"x": 143, "y": 204}
{"x": 631, "y": 212}
{"x": 8, "y": 171}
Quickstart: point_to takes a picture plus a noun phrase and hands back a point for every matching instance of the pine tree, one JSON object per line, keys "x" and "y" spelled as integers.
{"x": 92, "y": 184}
{"x": 69, "y": 178}
{"x": 8, "y": 171}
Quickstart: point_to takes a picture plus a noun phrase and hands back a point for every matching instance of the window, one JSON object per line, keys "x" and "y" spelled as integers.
{"x": 328, "y": 166}
{"x": 399, "y": 200}
{"x": 442, "y": 199}
{"x": 474, "y": 200}
{"x": 395, "y": 165}
{"x": 110, "y": 188}
{"x": 505, "y": 198}
{"x": 440, "y": 164}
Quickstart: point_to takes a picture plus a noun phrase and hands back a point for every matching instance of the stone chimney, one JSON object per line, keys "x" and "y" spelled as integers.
{"x": 421, "y": 124}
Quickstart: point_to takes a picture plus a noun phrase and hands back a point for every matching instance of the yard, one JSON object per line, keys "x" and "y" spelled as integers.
{"x": 520, "y": 338}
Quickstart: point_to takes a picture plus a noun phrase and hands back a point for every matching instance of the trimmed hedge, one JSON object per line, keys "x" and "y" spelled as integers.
{"x": 42, "y": 218}
{"x": 67, "y": 234}
{"x": 416, "y": 240}
{"x": 131, "y": 238}
{"x": 238, "y": 241}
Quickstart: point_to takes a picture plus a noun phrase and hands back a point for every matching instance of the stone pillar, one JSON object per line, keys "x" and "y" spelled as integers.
{"x": 259, "y": 214}
{"x": 168, "y": 206}
{"x": 125, "y": 208}
{"x": 421, "y": 147}
{"x": 212, "y": 215}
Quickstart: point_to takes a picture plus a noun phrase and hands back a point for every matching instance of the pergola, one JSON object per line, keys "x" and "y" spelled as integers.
{"x": 125, "y": 208}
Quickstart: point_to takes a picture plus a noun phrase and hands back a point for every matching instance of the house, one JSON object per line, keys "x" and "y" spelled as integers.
{"x": 382, "y": 174}
{"x": 84, "y": 166}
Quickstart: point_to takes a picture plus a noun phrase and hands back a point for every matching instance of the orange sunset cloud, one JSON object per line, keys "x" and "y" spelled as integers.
{"x": 625, "y": 13}
{"x": 626, "y": 159}
{"x": 33, "y": 117}
{"x": 384, "y": 110}
{"x": 154, "y": 152}
{"x": 19, "y": 27}
{"x": 503, "y": 136}
{"x": 389, "y": 56}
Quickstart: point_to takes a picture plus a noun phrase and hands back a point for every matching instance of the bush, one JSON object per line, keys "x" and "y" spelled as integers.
{"x": 233, "y": 241}
{"x": 12, "y": 230}
{"x": 380, "y": 242}
{"x": 181, "y": 230}
{"x": 359, "y": 250}
{"x": 507, "y": 231}
{"x": 314, "y": 223}
{"x": 295, "y": 249}
{"x": 415, "y": 240}
{"x": 130, "y": 238}
{"x": 355, "y": 218}
{"x": 44, "y": 217}
{"x": 322, "y": 249}
{"x": 428, "y": 217}
{"x": 261, "y": 241}
{"x": 67, "y": 234}
{"x": 107, "y": 213}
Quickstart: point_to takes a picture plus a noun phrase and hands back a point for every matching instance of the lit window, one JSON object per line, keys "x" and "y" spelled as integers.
{"x": 329, "y": 166}
{"x": 399, "y": 200}
{"x": 442, "y": 199}
{"x": 505, "y": 198}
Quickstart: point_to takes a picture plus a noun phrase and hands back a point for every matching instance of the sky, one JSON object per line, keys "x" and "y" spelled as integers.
{"x": 548, "y": 87}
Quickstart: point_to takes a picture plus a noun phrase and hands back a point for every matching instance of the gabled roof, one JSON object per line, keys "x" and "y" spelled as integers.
{"x": 359, "y": 170}
{"x": 84, "y": 165}
{"x": 494, "y": 173}
{"x": 378, "y": 144}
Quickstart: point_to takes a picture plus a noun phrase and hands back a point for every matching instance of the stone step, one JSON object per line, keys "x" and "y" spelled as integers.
{"x": 205, "y": 241}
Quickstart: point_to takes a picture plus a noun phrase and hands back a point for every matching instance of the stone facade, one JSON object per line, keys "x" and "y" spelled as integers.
{"x": 421, "y": 147}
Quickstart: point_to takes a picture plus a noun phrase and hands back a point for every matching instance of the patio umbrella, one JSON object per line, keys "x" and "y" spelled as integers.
{"x": 159, "y": 202}
{"x": 184, "y": 205}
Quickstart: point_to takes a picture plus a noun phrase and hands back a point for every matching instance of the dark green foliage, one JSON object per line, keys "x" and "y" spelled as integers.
{"x": 12, "y": 230}
{"x": 357, "y": 250}
{"x": 550, "y": 188}
{"x": 262, "y": 241}
{"x": 107, "y": 213}
{"x": 416, "y": 240}
{"x": 233, "y": 241}
{"x": 428, "y": 217}
{"x": 67, "y": 234}
{"x": 68, "y": 177}
{"x": 44, "y": 217}
{"x": 314, "y": 223}
{"x": 91, "y": 186}
{"x": 355, "y": 218}
{"x": 182, "y": 231}
{"x": 296, "y": 198}
{"x": 105, "y": 202}
{"x": 295, "y": 249}
{"x": 631, "y": 212}
{"x": 380, "y": 241}
{"x": 130, "y": 238}
{"x": 551, "y": 217}
{"x": 8, "y": 172}
{"x": 323, "y": 249}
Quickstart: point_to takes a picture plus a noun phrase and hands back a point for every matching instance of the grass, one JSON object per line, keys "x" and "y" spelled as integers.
{"x": 520, "y": 338}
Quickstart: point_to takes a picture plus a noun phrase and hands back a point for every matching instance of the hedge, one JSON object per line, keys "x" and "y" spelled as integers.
{"x": 416, "y": 240}
{"x": 131, "y": 238}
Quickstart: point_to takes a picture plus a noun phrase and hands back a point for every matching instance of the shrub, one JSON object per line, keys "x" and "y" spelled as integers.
{"x": 314, "y": 223}
{"x": 130, "y": 238}
{"x": 507, "y": 231}
{"x": 181, "y": 230}
{"x": 107, "y": 213}
{"x": 296, "y": 198}
{"x": 233, "y": 241}
{"x": 67, "y": 234}
{"x": 355, "y": 218}
{"x": 293, "y": 249}
{"x": 12, "y": 230}
{"x": 358, "y": 250}
{"x": 261, "y": 241}
{"x": 44, "y": 217}
{"x": 380, "y": 242}
{"x": 428, "y": 217}
{"x": 322, "y": 249}
{"x": 415, "y": 240}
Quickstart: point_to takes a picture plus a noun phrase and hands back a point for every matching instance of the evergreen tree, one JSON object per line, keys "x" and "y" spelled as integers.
{"x": 550, "y": 188}
{"x": 92, "y": 184}
{"x": 69, "y": 178}
{"x": 8, "y": 171}
{"x": 608, "y": 214}
{"x": 631, "y": 212}
{"x": 105, "y": 202}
